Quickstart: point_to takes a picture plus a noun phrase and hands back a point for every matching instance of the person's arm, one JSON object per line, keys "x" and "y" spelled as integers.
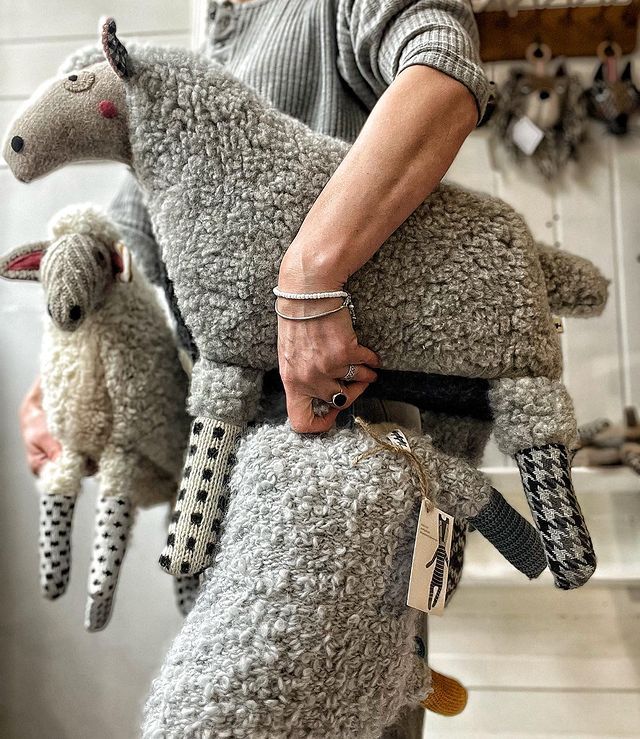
{"x": 409, "y": 141}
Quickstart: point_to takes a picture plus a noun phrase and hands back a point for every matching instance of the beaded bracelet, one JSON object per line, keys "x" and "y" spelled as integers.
{"x": 310, "y": 296}
{"x": 345, "y": 304}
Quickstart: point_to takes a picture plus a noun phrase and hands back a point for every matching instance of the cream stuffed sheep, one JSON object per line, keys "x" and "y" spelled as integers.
{"x": 459, "y": 289}
{"x": 113, "y": 391}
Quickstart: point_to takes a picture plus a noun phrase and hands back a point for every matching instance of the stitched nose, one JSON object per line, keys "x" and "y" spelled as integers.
{"x": 544, "y": 95}
{"x": 17, "y": 142}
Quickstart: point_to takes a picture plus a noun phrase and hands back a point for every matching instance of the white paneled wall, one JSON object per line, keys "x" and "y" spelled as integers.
{"x": 540, "y": 663}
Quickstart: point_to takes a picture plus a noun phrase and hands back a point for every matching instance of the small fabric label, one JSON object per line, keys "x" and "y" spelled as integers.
{"x": 526, "y": 135}
{"x": 430, "y": 566}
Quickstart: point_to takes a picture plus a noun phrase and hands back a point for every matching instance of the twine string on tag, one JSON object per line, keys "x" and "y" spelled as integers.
{"x": 383, "y": 444}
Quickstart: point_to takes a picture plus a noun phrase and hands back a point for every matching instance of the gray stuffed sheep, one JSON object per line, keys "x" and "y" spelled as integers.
{"x": 459, "y": 289}
{"x": 114, "y": 395}
{"x": 301, "y": 629}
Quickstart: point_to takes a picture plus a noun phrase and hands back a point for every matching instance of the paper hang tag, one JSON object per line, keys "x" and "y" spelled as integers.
{"x": 526, "y": 135}
{"x": 430, "y": 566}
{"x": 397, "y": 438}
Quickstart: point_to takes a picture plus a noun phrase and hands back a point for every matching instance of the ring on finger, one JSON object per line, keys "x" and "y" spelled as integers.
{"x": 339, "y": 399}
{"x": 351, "y": 373}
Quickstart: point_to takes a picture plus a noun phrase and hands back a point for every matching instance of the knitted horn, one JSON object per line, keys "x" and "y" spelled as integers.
{"x": 56, "y": 512}
{"x": 546, "y": 478}
{"x": 511, "y": 534}
{"x": 114, "y": 50}
{"x": 114, "y": 518}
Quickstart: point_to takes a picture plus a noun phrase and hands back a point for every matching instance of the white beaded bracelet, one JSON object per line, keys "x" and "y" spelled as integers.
{"x": 309, "y": 296}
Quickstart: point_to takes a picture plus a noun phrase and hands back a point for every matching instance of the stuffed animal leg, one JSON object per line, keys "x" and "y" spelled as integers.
{"x": 203, "y": 495}
{"x": 59, "y": 484}
{"x": 534, "y": 422}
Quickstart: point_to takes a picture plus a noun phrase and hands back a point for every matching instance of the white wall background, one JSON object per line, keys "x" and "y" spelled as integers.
{"x": 539, "y": 662}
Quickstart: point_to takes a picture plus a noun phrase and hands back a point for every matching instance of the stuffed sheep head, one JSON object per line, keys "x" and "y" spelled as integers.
{"x": 78, "y": 116}
{"x": 77, "y": 267}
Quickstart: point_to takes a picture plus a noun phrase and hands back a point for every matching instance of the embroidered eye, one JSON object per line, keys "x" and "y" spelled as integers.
{"x": 100, "y": 257}
{"x": 79, "y": 82}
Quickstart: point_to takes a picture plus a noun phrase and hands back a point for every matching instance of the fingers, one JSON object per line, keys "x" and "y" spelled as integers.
{"x": 300, "y": 410}
{"x": 362, "y": 355}
{"x": 362, "y": 374}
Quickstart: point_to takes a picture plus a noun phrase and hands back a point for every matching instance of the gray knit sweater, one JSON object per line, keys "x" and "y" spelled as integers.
{"x": 325, "y": 62}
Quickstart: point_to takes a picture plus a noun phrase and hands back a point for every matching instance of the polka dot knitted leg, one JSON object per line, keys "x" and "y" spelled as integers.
{"x": 546, "y": 478}
{"x": 203, "y": 497}
{"x": 56, "y": 513}
{"x": 186, "y": 589}
{"x": 114, "y": 518}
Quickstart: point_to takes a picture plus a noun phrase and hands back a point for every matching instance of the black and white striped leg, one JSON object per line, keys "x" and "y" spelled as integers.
{"x": 202, "y": 499}
{"x": 56, "y": 514}
{"x": 546, "y": 478}
{"x": 114, "y": 519}
{"x": 512, "y": 535}
{"x": 456, "y": 557}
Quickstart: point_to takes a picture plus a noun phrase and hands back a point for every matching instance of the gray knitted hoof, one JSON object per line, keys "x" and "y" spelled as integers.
{"x": 203, "y": 497}
{"x": 546, "y": 478}
{"x": 185, "y": 588}
{"x": 56, "y": 512}
{"x": 114, "y": 518}
{"x": 512, "y": 535}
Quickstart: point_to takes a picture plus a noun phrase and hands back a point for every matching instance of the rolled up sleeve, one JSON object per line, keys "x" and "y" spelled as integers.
{"x": 378, "y": 39}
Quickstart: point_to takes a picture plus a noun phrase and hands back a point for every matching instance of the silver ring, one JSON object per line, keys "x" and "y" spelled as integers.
{"x": 351, "y": 373}
{"x": 339, "y": 400}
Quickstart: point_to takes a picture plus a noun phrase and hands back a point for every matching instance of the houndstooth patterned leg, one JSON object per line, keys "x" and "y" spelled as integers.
{"x": 202, "y": 499}
{"x": 546, "y": 478}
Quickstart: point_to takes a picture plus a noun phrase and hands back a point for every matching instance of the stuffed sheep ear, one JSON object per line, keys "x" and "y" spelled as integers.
{"x": 122, "y": 262}
{"x": 23, "y": 263}
{"x": 114, "y": 50}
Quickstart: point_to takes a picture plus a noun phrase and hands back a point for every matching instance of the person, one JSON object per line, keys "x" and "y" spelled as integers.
{"x": 401, "y": 80}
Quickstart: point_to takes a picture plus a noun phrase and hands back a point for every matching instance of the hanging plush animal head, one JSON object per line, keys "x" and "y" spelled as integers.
{"x": 543, "y": 98}
{"x": 77, "y": 267}
{"x": 81, "y": 115}
{"x": 554, "y": 104}
{"x": 613, "y": 99}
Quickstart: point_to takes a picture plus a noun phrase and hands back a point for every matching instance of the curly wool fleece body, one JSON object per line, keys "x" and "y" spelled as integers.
{"x": 301, "y": 628}
{"x": 457, "y": 289}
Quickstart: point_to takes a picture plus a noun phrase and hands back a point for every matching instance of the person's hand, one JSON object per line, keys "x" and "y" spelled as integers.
{"x": 40, "y": 446}
{"x": 314, "y": 357}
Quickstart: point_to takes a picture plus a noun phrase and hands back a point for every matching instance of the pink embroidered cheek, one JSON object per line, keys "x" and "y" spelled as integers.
{"x": 107, "y": 109}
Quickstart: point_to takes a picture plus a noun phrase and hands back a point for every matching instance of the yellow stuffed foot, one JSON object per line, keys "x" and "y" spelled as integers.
{"x": 449, "y": 697}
